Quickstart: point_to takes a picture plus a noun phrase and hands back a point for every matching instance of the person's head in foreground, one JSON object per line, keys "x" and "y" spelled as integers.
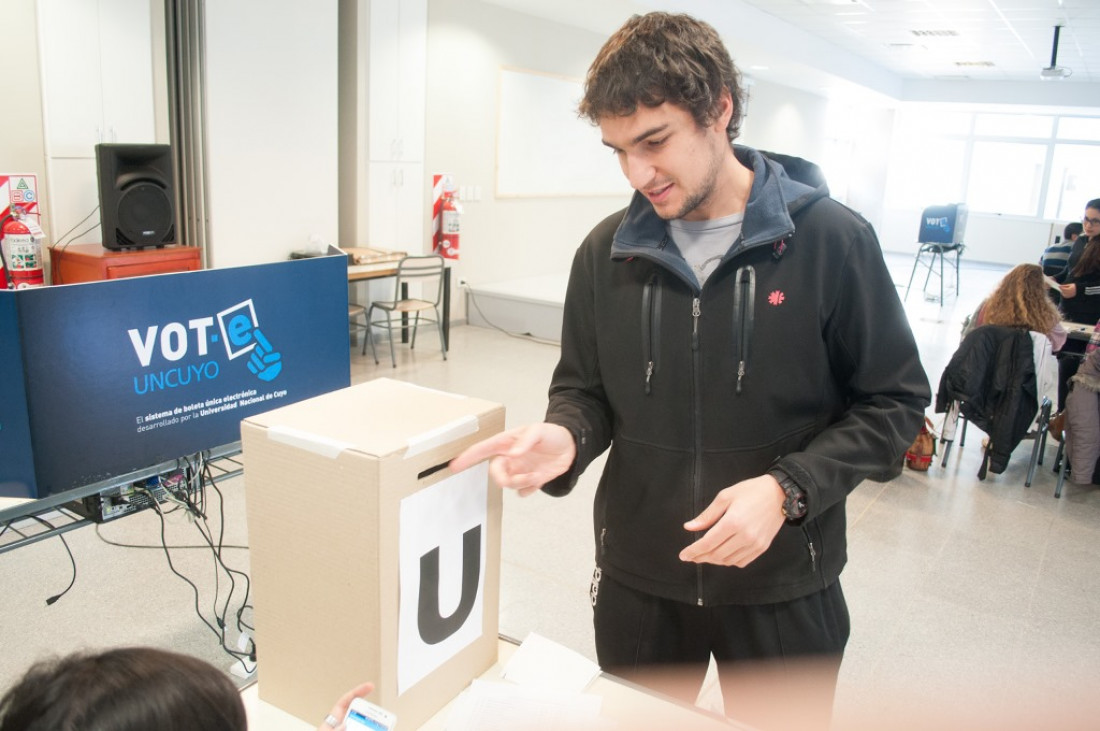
{"x": 125, "y": 689}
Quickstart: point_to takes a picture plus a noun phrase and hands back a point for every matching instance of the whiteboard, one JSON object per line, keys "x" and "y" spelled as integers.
{"x": 543, "y": 147}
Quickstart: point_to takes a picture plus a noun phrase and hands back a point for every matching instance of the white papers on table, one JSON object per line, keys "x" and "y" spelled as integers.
{"x": 502, "y": 706}
{"x": 542, "y": 690}
{"x": 545, "y": 664}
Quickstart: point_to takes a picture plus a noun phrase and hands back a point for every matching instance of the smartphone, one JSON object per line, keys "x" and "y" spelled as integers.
{"x": 365, "y": 716}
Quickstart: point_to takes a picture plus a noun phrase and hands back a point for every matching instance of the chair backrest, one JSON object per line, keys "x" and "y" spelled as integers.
{"x": 943, "y": 224}
{"x": 1046, "y": 368}
{"x": 423, "y": 272}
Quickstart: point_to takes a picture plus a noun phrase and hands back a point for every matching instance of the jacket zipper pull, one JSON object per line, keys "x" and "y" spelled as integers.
{"x": 740, "y": 374}
{"x": 648, "y": 375}
{"x": 696, "y": 310}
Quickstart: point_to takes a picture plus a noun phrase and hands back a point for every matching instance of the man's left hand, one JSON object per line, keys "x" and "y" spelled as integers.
{"x": 740, "y": 524}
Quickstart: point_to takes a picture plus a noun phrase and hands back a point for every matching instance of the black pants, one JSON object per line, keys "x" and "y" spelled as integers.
{"x": 777, "y": 663}
{"x": 1069, "y": 358}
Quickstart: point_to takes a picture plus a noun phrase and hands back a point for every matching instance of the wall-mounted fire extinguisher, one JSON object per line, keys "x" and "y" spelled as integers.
{"x": 451, "y": 209}
{"x": 21, "y": 245}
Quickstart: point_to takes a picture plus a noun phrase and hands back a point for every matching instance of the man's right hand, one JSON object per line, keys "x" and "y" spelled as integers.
{"x": 523, "y": 459}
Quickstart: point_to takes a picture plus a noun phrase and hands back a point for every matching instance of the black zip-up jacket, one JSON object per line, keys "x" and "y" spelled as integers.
{"x": 795, "y": 356}
{"x": 993, "y": 374}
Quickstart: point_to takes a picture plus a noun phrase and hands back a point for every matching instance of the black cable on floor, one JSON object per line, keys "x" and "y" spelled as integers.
{"x": 220, "y": 635}
{"x": 72, "y": 581}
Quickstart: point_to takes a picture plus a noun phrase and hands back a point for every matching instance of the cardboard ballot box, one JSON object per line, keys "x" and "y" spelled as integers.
{"x": 370, "y": 559}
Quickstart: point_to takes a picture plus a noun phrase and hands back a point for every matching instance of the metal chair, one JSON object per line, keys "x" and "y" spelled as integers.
{"x": 1046, "y": 392}
{"x": 427, "y": 274}
{"x": 940, "y": 235}
{"x": 354, "y": 325}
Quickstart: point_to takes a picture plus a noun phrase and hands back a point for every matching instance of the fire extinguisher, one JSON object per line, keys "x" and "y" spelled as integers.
{"x": 449, "y": 226}
{"x": 21, "y": 245}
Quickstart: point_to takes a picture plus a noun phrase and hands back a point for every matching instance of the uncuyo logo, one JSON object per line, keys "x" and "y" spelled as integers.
{"x": 237, "y": 327}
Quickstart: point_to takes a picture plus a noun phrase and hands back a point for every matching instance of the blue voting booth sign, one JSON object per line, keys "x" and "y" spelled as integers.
{"x": 104, "y": 378}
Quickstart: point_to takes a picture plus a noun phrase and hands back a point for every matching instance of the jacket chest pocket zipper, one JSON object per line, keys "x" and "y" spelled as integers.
{"x": 696, "y": 311}
{"x": 651, "y": 321}
{"x": 744, "y": 297}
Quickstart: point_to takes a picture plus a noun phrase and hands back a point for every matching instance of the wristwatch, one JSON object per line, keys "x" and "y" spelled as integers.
{"x": 794, "y": 504}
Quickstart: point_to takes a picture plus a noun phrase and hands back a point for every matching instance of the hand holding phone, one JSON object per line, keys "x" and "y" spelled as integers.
{"x": 365, "y": 716}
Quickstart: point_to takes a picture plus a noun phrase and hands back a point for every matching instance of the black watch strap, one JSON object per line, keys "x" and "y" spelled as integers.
{"x": 794, "y": 504}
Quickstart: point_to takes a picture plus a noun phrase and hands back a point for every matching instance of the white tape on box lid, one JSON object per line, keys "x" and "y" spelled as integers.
{"x": 441, "y": 435}
{"x": 308, "y": 441}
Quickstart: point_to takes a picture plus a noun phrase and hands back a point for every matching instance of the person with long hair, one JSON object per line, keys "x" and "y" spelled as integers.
{"x": 1020, "y": 300}
{"x": 1089, "y": 227}
{"x": 1081, "y": 285}
{"x": 133, "y": 689}
{"x": 1080, "y": 290}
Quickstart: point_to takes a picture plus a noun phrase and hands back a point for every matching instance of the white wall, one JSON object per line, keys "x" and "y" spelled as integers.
{"x": 22, "y": 149}
{"x": 272, "y": 126}
{"x": 785, "y": 120}
{"x": 468, "y": 42}
{"x": 511, "y": 238}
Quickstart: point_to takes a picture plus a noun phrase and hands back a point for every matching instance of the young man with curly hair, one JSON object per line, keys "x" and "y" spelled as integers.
{"x": 734, "y": 338}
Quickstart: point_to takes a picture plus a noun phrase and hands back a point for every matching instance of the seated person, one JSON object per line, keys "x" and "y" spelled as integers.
{"x": 133, "y": 689}
{"x": 1081, "y": 285}
{"x": 1056, "y": 257}
{"x": 1090, "y": 227}
{"x": 1021, "y": 300}
{"x": 1080, "y": 291}
{"x": 1082, "y": 423}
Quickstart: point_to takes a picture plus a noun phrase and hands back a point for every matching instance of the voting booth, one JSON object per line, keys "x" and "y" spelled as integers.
{"x": 370, "y": 559}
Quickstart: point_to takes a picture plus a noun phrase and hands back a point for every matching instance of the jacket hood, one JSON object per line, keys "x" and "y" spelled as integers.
{"x": 782, "y": 185}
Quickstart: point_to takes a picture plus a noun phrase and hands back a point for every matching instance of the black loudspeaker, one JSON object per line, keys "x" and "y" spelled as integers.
{"x": 137, "y": 199}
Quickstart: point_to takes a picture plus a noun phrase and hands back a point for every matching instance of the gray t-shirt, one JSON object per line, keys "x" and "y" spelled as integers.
{"x": 704, "y": 243}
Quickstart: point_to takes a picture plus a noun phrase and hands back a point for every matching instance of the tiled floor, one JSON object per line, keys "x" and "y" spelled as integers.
{"x": 963, "y": 594}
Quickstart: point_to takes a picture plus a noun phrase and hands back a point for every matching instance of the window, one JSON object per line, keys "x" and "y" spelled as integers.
{"x": 1006, "y": 177}
{"x": 1031, "y": 165}
{"x": 1079, "y": 128}
{"x": 931, "y": 172}
{"x": 1074, "y": 180}
{"x": 1013, "y": 125}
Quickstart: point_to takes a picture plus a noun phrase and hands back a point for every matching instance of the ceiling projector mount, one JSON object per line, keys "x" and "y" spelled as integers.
{"x": 1054, "y": 71}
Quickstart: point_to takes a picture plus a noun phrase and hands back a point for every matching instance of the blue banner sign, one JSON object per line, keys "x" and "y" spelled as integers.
{"x": 104, "y": 378}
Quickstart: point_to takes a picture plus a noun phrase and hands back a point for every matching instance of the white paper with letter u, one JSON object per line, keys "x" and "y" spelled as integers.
{"x": 442, "y": 572}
